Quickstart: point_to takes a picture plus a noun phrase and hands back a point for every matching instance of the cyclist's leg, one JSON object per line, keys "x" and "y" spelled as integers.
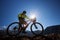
{"x": 25, "y": 26}
{"x": 20, "y": 23}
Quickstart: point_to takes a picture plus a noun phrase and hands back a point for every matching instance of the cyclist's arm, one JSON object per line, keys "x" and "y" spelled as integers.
{"x": 27, "y": 17}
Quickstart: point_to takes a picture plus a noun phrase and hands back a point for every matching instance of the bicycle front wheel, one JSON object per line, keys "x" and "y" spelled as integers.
{"x": 37, "y": 28}
{"x": 13, "y": 29}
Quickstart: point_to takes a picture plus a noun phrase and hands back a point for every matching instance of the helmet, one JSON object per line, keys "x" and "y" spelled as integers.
{"x": 24, "y": 11}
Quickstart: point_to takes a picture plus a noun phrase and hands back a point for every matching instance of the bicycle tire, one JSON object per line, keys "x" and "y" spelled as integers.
{"x": 33, "y": 31}
{"x": 9, "y": 27}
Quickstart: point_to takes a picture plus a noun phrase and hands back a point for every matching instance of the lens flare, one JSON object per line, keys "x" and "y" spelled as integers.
{"x": 32, "y": 16}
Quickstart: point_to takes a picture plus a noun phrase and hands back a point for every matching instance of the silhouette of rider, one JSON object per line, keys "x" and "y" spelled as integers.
{"x": 22, "y": 16}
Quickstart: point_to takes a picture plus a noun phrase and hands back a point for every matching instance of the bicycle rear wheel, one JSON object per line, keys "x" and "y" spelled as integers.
{"x": 13, "y": 29}
{"x": 37, "y": 28}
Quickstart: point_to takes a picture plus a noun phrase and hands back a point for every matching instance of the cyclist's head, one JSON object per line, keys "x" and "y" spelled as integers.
{"x": 24, "y": 12}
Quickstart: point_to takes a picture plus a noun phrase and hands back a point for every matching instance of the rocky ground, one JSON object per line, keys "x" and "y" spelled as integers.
{"x": 38, "y": 37}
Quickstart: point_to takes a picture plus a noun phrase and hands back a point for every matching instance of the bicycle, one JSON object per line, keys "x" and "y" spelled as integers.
{"x": 14, "y": 31}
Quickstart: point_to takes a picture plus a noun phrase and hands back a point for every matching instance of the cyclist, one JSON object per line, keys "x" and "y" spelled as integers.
{"x": 21, "y": 17}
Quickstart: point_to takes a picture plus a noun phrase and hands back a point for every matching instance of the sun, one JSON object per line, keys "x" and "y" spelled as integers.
{"x": 32, "y": 16}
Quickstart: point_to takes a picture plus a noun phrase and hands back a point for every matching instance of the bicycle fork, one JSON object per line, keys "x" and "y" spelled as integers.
{"x": 35, "y": 26}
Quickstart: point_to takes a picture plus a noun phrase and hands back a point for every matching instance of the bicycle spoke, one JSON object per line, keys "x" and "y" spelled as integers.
{"x": 36, "y": 28}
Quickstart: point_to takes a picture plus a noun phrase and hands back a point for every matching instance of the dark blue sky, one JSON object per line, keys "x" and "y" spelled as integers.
{"x": 48, "y": 11}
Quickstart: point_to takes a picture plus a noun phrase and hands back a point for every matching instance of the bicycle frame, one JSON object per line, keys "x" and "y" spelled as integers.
{"x": 32, "y": 20}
